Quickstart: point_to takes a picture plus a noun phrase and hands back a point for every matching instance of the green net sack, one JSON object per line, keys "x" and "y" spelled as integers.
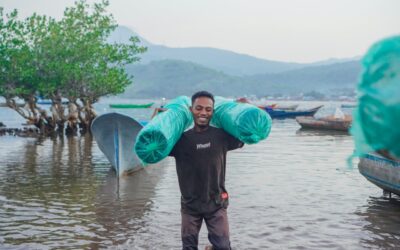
{"x": 376, "y": 119}
{"x": 156, "y": 140}
{"x": 246, "y": 122}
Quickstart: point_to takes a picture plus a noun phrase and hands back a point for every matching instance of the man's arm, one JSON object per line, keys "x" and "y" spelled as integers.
{"x": 233, "y": 142}
{"x": 158, "y": 110}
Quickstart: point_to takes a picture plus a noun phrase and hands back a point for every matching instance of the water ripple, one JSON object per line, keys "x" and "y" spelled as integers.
{"x": 291, "y": 191}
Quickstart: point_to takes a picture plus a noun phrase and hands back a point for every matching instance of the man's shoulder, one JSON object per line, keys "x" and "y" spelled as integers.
{"x": 187, "y": 132}
{"x": 218, "y": 131}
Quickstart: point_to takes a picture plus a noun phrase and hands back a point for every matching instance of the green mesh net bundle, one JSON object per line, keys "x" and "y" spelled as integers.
{"x": 246, "y": 122}
{"x": 156, "y": 140}
{"x": 376, "y": 119}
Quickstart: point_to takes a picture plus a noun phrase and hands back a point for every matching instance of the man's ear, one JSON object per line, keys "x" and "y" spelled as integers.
{"x": 191, "y": 109}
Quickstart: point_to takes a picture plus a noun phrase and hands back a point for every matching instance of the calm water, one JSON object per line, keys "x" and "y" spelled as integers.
{"x": 291, "y": 191}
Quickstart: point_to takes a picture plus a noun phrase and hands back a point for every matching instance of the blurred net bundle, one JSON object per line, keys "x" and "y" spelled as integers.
{"x": 246, "y": 122}
{"x": 156, "y": 140}
{"x": 376, "y": 119}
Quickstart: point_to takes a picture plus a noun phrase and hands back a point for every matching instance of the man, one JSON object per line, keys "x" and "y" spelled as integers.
{"x": 200, "y": 156}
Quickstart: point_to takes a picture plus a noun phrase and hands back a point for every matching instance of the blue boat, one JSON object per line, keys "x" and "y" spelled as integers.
{"x": 381, "y": 171}
{"x": 282, "y": 114}
{"x": 48, "y": 101}
{"x": 115, "y": 135}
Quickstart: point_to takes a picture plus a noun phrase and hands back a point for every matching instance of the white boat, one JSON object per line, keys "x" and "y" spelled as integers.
{"x": 115, "y": 135}
{"x": 381, "y": 171}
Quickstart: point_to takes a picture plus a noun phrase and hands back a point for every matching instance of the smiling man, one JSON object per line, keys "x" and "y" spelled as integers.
{"x": 200, "y": 156}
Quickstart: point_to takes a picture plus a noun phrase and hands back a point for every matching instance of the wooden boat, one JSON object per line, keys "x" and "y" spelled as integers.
{"x": 325, "y": 123}
{"x": 115, "y": 135}
{"x": 381, "y": 171}
{"x": 287, "y": 107}
{"x": 348, "y": 106}
{"x": 131, "y": 106}
{"x": 281, "y": 114}
{"x": 4, "y": 105}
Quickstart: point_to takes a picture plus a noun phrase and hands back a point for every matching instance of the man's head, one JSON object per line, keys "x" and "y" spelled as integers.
{"x": 202, "y": 109}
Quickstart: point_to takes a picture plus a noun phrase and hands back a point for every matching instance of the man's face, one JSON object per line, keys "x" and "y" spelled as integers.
{"x": 202, "y": 110}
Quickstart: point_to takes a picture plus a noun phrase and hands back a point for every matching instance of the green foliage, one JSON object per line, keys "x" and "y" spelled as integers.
{"x": 79, "y": 62}
{"x": 15, "y": 54}
{"x": 69, "y": 58}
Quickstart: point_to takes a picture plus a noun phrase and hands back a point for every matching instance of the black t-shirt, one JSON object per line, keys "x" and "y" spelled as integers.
{"x": 201, "y": 163}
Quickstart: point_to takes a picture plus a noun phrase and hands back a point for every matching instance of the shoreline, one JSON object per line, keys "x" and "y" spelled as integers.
{"x": 21, "y": 132}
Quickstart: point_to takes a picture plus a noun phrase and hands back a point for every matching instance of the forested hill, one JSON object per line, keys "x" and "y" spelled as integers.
{"x": 169, "y": 72}
{"x": 229, "y": 62}
{"x": 170, "y": 78}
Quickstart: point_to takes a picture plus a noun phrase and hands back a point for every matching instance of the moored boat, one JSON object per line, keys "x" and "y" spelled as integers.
{"x": 4, "y": 105}
{"x": 325, "y": 123}
{"x": 131, "y": 106}
{"x": 348, "y": 105}
{"x": 49, "y": 102}
{"x": 287, "y": 106}
{"x": 115, "y": 135}
{"x": 381, "y": 171}
{"x": 281, "y": 114}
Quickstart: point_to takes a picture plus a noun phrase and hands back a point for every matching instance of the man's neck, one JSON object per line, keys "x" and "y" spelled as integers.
{"x": 200, "y": 128}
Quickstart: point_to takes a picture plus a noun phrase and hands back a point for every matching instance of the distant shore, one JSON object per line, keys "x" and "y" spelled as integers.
{"x": 22, "y": 132}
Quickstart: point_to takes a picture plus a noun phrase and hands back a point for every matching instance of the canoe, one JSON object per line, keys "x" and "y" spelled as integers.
{"x": 281, "y": 114}
{"x": 115, "y": 135}
{"x": 325, "y": 123}
{"x": 131, "y": 106}
{"x": 348, "y": 106}
{"x": 4, "y": 105}
{"x": 381, "y": 171}
{"x": 287, "y": 106}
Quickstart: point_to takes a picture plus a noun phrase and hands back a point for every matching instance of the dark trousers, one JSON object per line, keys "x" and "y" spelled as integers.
{"x": 217, "y": 226}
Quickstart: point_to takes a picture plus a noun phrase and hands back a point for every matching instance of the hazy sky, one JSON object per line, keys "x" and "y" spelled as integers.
{"x": 284, "y": 30}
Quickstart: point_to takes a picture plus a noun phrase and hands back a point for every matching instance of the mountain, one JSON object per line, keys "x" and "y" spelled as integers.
{"x": 169, "y": 72}
{"x": 335, "y": 60}
{"x": 321, "y": 78}
{"x": 229, "y": 62}
{"x": 225, "y": 61}
{"x": 170, "y": 78}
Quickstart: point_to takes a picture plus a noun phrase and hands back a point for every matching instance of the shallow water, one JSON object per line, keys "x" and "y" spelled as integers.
{"x": 291, "y": 191}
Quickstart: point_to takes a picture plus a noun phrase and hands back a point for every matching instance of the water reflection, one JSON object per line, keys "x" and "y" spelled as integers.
{"x": 60, "y": 193}
{"x": 382, "y": 223}
{"x": 319, "y": 132}
{"x": 121, "y": 203}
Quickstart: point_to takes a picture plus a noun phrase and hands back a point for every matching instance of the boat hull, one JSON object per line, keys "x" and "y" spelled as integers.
{"x": 282, "y": 114}
{"x": 313, "y": 123}
{"x": 115, "y": 135}
{"x": 382, "y": 172}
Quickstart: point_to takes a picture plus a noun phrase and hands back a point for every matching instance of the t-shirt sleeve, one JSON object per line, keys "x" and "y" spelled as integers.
{"x": 173, "y": 151}
{"x": 233, "y": 143}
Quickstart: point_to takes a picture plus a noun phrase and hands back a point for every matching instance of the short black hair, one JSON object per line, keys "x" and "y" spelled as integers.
{"x": 202, "y": 93}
